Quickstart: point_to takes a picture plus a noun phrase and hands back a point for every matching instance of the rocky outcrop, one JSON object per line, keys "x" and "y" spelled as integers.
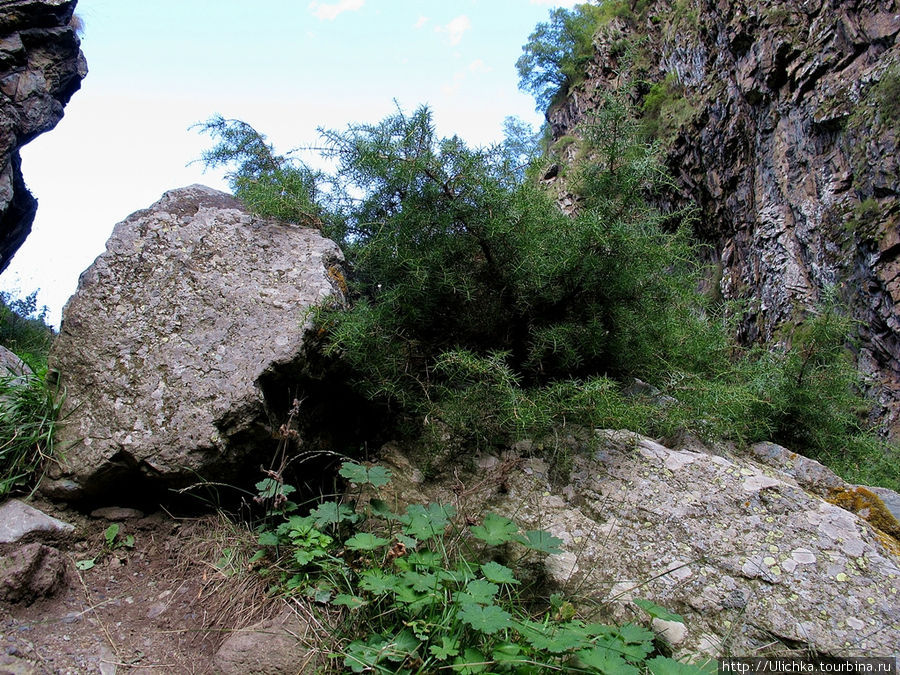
{"x": 171, "y": 350}
{"x": 781, "y": 122}
{"x": 754, "y": 562}
{"x": 41, "y": 66}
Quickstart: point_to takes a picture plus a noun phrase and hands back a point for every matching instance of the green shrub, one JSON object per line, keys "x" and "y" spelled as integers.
{"x": 23, "y": 329}
{"x": 665, "y": 109}
{"x": 269, "y": 184}
{"x": 421, "y": 593}
{"x": 481, "y": 314}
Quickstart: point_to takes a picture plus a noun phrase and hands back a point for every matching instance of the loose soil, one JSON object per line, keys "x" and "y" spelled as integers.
{"x": 164, "y": 606}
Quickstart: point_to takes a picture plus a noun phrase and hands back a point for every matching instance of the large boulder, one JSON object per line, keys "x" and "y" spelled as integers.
{"x": 754, "y": 561}
{"x": 166, "y": 348}
{"x": 41, "y": 66}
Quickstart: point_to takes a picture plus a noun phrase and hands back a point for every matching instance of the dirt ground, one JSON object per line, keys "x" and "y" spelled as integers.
{"x": 163, "y": 606}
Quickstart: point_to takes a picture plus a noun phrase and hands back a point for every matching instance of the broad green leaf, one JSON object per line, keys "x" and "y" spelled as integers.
{"x": 269, "y": 487}
{"x": 332, "y": 513}
{"x": 478, "y": 591}
{"x": 256, "y": 557}
{"x": 85, "y": 565}
{"x": 365, "y": 541}
{"x": 380, "y": 508}
{"x": 554, "y": 638}
{"x": 660, "y": 665}
{"x": 539, "y": 540}
{"x": 423, "y": 523}
{"x": 507, "y": 652}
{"x": 267, "y": 538}
{"x": 495, "y": 530}
{"x": 378, "y": 582}
{"x": 128, "y": 541}
{"x": 498, "y": 573}
{"x": 607, "y": 662}
{"x": 487, "y": 620}
{"x": 320, "y": 594}
{"x": 634, "y": 634}
{"x": 420, "y": 581}
{"x": 449, "y": 647}
{"x": 355, "y": 473}
{"x": 111, "y": 533}
{"x": 377, "y": 476}
{"x": 656, "y": 611}
{"x": 404, "y": 645}
{"x": 471, "y": 661}
{"x": 362, "y": 656}
{"x": 349, "y": 601}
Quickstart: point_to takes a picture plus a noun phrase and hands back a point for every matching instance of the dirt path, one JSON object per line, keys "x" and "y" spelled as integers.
{"x": 162, "y": 606}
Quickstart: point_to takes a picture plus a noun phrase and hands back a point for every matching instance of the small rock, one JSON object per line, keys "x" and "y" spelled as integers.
{"x": 10, "y": 665}
{"x": 34, "y": 571}
{"x": 18, "y": 519}
{"x": 116, "y": 513}
{"x": 267, "y": 648}
{"x": 674, "y": 632}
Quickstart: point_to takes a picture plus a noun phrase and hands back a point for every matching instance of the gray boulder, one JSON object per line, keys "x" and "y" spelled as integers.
{"x": 166, "y": 348}
{"x": 755, "y": 563}
{"x": 282, "y": 646}
{"x": 41, "y": 66}
{"x": 20, "y": 522}
{"x": 10, "y": 364}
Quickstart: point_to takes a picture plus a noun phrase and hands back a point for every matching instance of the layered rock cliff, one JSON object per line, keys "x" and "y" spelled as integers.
{"x": 41, "y": 66}
{"x": 780, "y": 121}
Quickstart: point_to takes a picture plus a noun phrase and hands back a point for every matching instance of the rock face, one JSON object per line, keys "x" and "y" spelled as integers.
{"x": 755, "y": 563}
{"x": 167, "y": 347}
{"x": 781, "y": 122}
{"x": 41, "y": 66}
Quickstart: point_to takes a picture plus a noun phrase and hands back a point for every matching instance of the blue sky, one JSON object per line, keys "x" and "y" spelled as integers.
{"x": 286, "y": 67}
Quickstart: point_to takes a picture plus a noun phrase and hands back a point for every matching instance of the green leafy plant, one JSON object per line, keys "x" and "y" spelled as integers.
{"x": 416, "y": 597}
{"x": 113, "y": 540}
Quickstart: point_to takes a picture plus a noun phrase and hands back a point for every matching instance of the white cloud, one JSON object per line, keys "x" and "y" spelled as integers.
{"x": 453, "y": 87}
{"x": 455, "y": 29}
{"x": 568, "y": 4}
{"x": 479, "y": 66}
{"x": 330, "y": 12}
{"x": 421, "y": 21}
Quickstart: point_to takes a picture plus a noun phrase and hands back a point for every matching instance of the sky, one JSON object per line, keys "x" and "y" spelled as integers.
{"x": 287, "y": 67}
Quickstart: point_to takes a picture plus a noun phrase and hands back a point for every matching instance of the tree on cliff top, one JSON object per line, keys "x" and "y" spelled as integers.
{"x": 557, "y": 51}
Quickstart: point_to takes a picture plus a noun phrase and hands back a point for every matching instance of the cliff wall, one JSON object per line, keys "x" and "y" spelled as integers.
{"x": 41, "y": 66}
{"x": 780, "y": 121}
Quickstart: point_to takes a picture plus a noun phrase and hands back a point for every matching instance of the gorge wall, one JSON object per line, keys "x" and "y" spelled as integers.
{"x": 41, "y": 66}
{"x": 780, "y": 121}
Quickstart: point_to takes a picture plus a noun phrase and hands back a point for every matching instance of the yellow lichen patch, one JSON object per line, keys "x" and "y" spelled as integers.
{"x": 867, "y": 505}
{"x": 336, "y": 275}
{"x": 888, "y": 542}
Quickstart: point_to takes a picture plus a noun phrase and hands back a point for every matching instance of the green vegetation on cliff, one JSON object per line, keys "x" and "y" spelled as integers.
{"x": 29, "y": 404}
